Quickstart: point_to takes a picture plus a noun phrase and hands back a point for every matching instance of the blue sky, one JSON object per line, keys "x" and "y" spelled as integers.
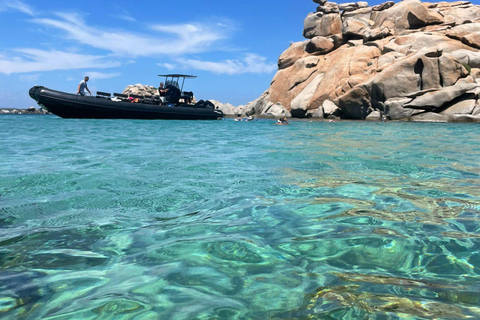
{"x": 232, "y": 46}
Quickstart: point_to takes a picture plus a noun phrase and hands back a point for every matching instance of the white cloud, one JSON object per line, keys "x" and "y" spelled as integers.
{"x": 16, "y": 5}
{"x": 251, "y": 63}
{"x": 126, "y": 16}
{"x": 175, "y": 39}
{"x": 101, "y": 75}
{"x": 169, "y": 66}
{"x": 35, "y": 60}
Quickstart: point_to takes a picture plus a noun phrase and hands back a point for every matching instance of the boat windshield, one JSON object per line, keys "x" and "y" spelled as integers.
{"x": 172, "y": 83}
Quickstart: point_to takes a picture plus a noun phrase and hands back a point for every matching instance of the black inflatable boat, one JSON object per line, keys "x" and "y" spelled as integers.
{"x": 175, "y": 105}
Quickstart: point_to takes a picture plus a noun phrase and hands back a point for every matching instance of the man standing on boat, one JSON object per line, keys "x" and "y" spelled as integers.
{"x": 82, "y": 86}
{"x": 162, "y": 91}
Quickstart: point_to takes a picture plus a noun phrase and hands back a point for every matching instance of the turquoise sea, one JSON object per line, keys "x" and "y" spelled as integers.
{"x": 125, "y": 219}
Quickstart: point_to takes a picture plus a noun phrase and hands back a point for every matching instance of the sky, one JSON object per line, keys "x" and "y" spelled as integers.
{"x": 231, "y": 46}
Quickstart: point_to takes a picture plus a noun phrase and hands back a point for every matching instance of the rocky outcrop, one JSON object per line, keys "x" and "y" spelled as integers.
{"x": 140, "y": 90}
{"x": 406, "y": 60}
{"x": 227, "y": 108}
{"x": 259, "y": 107}
{"x": 30, "y": 110}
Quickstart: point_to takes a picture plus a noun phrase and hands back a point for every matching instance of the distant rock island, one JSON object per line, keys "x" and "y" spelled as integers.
{"x": 406, "y": 61}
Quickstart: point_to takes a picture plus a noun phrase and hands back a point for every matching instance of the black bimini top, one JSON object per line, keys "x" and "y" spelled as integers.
{"x": 177, "y": 76}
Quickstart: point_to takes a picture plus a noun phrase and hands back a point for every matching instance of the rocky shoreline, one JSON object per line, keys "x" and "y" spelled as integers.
{"x": 31, "y": 110}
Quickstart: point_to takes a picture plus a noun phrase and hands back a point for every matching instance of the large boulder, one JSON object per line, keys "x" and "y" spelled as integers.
{"x": 291, "y": 55}
{"x": 437, "y": 99}
{"x": 320, "y": 24}
{"x": 396, "y": 110}
{"x": 408, "y": 14}
{"x": 330, "y": 108}
{"x": 355, "y": 104}
{"x": 276, "y": 111}
{"x": 319, "y": 45}
{"x": 464, "y": 105}
{"x": 450, "y": 70}
{"x": 356, "y": 26}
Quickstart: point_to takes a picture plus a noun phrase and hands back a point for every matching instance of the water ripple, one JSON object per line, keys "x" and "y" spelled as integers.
{"x": 226, "y": 220}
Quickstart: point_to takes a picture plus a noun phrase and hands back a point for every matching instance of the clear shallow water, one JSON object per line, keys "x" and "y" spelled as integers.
{"x": 238, "y": 220}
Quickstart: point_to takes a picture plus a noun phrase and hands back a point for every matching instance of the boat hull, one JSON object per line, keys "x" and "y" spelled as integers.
{"x": 67, "y": 105}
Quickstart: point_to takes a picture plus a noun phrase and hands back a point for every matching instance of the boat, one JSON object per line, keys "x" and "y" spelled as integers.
{"x": 176, "y": 104}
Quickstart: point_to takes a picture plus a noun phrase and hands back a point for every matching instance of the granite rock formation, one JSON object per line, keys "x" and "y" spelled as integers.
{"x": 408, "y": 60}
{"x": 227, "y": 108}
